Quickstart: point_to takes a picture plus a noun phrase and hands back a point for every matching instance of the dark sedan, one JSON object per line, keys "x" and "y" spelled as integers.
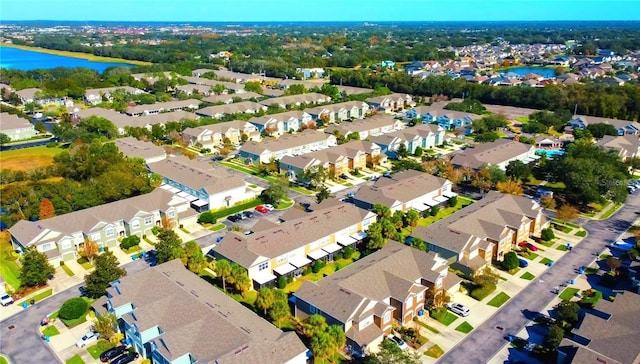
{"x": 112, "y": 353}
{"x": 126, "y": 358}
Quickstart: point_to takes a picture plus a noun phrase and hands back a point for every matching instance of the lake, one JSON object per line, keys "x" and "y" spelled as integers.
{"x": 30, "y": 60}
{"x": 544, "y": 72}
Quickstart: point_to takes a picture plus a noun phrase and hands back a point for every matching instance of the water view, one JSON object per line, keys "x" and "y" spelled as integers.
{"x": 542, "y": 71}
{"x": 30, "y": 60}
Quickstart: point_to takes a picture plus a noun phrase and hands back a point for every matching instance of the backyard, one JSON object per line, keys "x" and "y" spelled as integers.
{"x": 444, "y": 212}
{"x": 9, "y": 268}
{"x": 327, "y": 270}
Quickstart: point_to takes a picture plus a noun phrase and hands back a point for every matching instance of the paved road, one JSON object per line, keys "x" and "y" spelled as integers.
{"x": 485, "y": 341}
{"x": 22, "y": 343}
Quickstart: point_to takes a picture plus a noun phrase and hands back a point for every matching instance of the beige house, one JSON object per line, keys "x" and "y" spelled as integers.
{"x": 627, "y": 146}
{"x": 159, "y": 107}
{"x": 371, "y": 126}
{"x": 278, "y": 124}
{"x": 269, "y": 149}
{"x": 134, "y": 148}
{"x": 244, "y": 107}
{"x": 213, "y": 136}
{"x": 391, "y": 103}
{"x": 499, "y": 153}
{"x": 339, "y": 112}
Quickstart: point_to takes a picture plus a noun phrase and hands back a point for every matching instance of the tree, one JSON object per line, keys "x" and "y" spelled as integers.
{"x": 323, "y": 194}
{"x": 195, "y": 259}
{"x": 4, "y": 139}
{"x": 375, "y": 240}
{"x": 222, "y": 268}
{"x": 279, "y": 311}
{"x": 106, "y": 271}
{"x": 73, "y": 308}
{"x": 554, "y": 337}
{"x": 510, "y": 261}
{"x": 35, "y": 268}
{"x": 418, "y": 244}
{"x": 46, "y": 209}
{"x": 548, "y": 202}
{"x": 169, "y": 246}
{"x": 314, "y": 325}
{"x": 105, "y": 325}
{"x": 402, "y": 151}
{"x": 253, "y": 86}
{"x": 567, "y": 213}
{"x": 240, "y": 278}
{"x": 411, "y": 218}
{"x": 599, "y": 130}
{"x": 90, "y": 249}
{"x": 511, "y": 187}
{"x": 276, "y": 191}
{"x": 482, "y": 180}
{"x": 567, "y": 311}
{"x": 207, "y": 217}
{"x": 397, "y": 219}
{"x": 338, "y": 338}
{"x": 382, "y": 211}
{"x": 265, "y": 299}
{"x": 390, "y": 353}
{"x": 613, "y": 263}
{"x": 517, "y": 170}
{"x": 547, "y": 234}
{"x": 321, "y": 346}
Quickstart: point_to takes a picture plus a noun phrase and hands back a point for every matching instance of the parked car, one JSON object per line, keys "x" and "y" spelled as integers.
{"x": 247, "y": 214}
{"x": 126, "y": 358}
{"x": 459, "y": 308}
{"x": 234, "y": 218}
{"x": 526, "y": 244}
{"x": 262, "y": 209}
{"x": 523, "y": 263}
{"x": 5, "y": 298}
{"x": 269, "y": 207}
{"x": 398, "y": 341}
{"x": 344, "y": 176}
{"x": 86, "y": 339}
{"x": 112, "y": 353}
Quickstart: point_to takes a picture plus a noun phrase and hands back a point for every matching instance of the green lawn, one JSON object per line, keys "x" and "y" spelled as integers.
{"x": 3, "y": 360}
{"x": 447, "y": 318}
{"x": 562, "y": 248}
{"x": 531, "y": 256}
{"x": 464, "y": 327}
{"x": 26, "y": 159}
{"x": 38, "y": 297}
{"x": 568, "y": 293}
{"x": 430, "y": 328}
{"x": 285, "y": 204}
{"x": 522, "y": 119}
{"x": 50, "y": 331}
{"x": 563, "y": 228}
{"x": 528, "y": 276}
{"x": 612, "y": 210}
{"x": 68, "y": 271}
{"x": 581, "y": 233}
{"x": 99, "y": 348}
{"x": 218, "y": 227}
{"x": 9, "y": 268}
{"x": 84, "y": 262}
{"x": 444, "y": 212}
{"x": 434, "y": 352}
{"x": 237, "y": 208}
{"x": 560, "y": 222}
{"x": 591, "y": 270}
{"x": 302, "y": 190}
{"x": 327, "y": 270}
{"x": 546, "y": 261}
{"x": 499, "y": 300}
{"x": 76, "y": 359}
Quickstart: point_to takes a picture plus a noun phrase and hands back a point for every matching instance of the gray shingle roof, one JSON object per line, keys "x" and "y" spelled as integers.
{"x": 490, "y": 153}
{"x": 286, "y": 141}
{"x": 9, "y": 122}
{"x": 134, "y": 148}
{"x": 211, "y": 326}
{"x": 404, "y": 186}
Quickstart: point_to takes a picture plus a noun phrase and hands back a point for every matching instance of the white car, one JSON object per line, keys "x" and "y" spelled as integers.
{"x": 5, "y": 298}
{"x": 86, "y": 339}
{"x": 398, "y": 341}
{"x": 459, "y": 308}
{"x": 269, "y": 207}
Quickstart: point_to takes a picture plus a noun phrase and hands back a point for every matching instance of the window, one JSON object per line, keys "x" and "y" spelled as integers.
{"x": 420, "y": 296}
{"x": 387, "y": 317}
{"x": 135, "y": 223}
{"x": 109, "y": 232}
{"x": 263, "y": 266}
{"x": 171, "y": 213}
{"x": 313, "y": 309}
{"x": 46, "y": 247}
{"x": 148, "y": 220}
{"x": 95, "y": 236}
{"x": 65, "y": 244}
{"x": 282, "y": 259}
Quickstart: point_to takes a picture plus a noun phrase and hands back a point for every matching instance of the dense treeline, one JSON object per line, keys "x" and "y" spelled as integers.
{"x": 621, "y": 102}
{"x": 83, "y": 176}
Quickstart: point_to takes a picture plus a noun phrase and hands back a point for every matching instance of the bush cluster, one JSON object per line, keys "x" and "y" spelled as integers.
{"x": 73, "y": 308}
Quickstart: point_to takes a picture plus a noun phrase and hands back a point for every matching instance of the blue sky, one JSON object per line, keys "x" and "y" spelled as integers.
{"x": 314, "y": 10}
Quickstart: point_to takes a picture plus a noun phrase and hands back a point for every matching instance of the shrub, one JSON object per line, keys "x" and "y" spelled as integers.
{"x": 510, "y": 261}
{"x": 317, "y": 266}
{"x": 453, "y": 201}
{"x": 129, "y": 242}
{"x": 348, "y": 252}
{"x": 73, "y": 308}
{"x": 434, "y": 210}
{"x": 306, "y": 270}
{"x": 155, "y": 230}
{"x": 547, "y": 234}
{"x": 52, "y": 144}
{"x": 590, "y": 298}
{"x": 282, "y": 282}
{"x": 207, "y": 217}
{"x": 338, "y": 256}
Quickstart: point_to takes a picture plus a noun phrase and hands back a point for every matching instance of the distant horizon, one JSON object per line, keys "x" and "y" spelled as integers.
{"x": 372, "y": 22}
{"x": 265, "y": 11}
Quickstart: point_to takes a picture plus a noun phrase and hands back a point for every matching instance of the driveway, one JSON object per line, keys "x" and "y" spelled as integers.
{"x": 482, "y": 343}
{"x": 20, "y": 333}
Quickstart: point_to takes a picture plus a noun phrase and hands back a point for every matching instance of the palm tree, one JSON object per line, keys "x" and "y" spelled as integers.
{"x": 338, "y": 337}
{"x": 322, "y": 346}
{"x": 265, "y": 299}
{"x": 222, "y": 268}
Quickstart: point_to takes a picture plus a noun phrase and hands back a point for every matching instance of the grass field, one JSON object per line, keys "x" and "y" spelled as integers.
{"x": 87, "y": 56}
{"x": 568, "y": 293}
{"x": 464, "y": 327}
{"x": 528, "y": 276}
{"x": 28, "y": 159}
{"x": 434, "y": 352}
{"x": 499, "y": 300}
{"x": 430, "y": 328}
{"x": 446, "y": 319}
{"x": 9, "y": 268}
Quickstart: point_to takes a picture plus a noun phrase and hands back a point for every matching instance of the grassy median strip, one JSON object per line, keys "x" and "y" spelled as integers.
{"x": 568, "y": 293}
{"x": 434, "y": 352}
{"x": 464, "y": 327}
{"x": 499, "y": 300}
{"x": 528, "y": 276}
{"x": 38, "y": 297}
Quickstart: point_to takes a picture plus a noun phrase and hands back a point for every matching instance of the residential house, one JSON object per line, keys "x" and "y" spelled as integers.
{"x": 16, "y": 128}
{"x": 228, "y": 87}
{"x": 272, "y": 92}
{"x": 553, "y": 143}
{"x": 205, "y": 187}
{"x": 425, "y": 136}
{"x": 606, "y": 334}
{"x": 337, "y": 160}
{"x": 499, "y": 153}
{"x": 191, "y": 89}
{"x": 124, "y": 121}
{"x": 201, "y": 71}
{"x": 160, "y": 107}
{"x": 134, "y": 148}
{"x": 366, "y": 128}
{"x": 339, "y": 112}
{"x": 627, "y": 146}
{"x": 153, "y": 77}
{"x": 311, "y": 72}
{"x": 365, "y": 298}
{"x": 36, "y": 96}
{"x": 278, "y": 124}
{"x": 170, "y": 315}
{"x": 61, "y": 236}
{"x": 622, "y": 126}
{"x": 487, "y": 229}
{"x": 419, "y": 112}
{"x": 391, "y": 103}
{"x": 229, "y": 98}
{"x": 238, "y": 77}
{"x": 244, "y": 107}
{"x": 284, "y": 249}
{"x": 449, "y": 119}
{"x": 95, "y": 96}
{"x": 212, "y": 136}
{"x": 290, "y": 101}
{"x": 404, "y": 191}
{"x": 308, "y": 140}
